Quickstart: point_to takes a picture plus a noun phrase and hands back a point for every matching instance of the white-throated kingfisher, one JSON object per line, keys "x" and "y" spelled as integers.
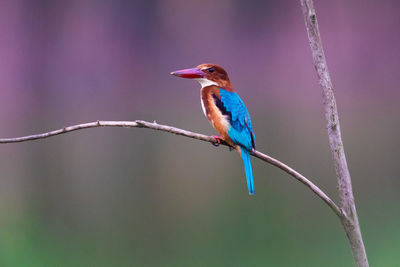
{"x": 225, "y": 110}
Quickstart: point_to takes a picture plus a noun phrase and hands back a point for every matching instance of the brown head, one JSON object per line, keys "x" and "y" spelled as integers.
{"x": 206, "y": 75}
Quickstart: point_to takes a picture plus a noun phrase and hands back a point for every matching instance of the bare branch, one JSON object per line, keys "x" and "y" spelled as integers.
{"x": 177, "y": 131}
{"x": 350, "y": 220}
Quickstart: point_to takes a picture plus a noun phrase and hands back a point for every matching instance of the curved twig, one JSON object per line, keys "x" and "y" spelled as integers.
{"x": 177, "y": 131}
{"x": 347, "y": 204}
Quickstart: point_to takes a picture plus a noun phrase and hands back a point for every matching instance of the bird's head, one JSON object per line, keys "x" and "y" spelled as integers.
{"x": 206, "y": 75}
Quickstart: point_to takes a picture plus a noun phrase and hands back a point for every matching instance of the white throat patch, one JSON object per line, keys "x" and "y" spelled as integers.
{"x": 205, "y": 82}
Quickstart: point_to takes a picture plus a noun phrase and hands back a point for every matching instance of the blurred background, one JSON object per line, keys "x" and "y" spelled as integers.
{"x": 137, "y": 197}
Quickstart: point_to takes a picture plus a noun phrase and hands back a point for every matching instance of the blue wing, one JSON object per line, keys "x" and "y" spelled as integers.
{"x": 241, "y": 131}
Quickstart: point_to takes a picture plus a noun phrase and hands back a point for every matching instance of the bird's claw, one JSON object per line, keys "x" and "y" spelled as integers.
{"x": 218, "y": 140}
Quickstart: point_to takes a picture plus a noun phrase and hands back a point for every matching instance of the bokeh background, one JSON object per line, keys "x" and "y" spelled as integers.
{"x": 137, "y": 197}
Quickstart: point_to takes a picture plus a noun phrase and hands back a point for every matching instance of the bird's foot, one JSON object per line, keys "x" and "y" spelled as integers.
{"x": 218, "y": 140}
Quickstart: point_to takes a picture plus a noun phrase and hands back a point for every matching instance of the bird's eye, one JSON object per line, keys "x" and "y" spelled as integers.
{"x": 211, "y": 70}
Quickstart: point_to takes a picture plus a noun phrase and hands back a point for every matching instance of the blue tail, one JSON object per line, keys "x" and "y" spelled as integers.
{"x": 248, "y": 170}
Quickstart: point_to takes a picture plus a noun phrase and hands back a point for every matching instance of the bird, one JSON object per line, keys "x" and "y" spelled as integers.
{"x": 225, "y": 110}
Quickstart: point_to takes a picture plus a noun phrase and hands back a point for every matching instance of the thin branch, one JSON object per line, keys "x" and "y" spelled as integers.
{"x": 347, "y": 204}
{"x": 177, "y": 131}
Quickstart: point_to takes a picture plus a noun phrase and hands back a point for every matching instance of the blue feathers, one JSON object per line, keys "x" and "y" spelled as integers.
{"x": 248, "y": 170}
{"x": 235, "y": 105}
{"x": 241, "y": 131}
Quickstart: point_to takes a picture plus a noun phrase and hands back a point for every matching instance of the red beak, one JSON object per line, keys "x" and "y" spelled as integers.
{"x": 189, "y": 73}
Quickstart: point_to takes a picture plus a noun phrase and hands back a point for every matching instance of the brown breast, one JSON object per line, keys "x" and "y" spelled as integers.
{"x": 213, "y": 114}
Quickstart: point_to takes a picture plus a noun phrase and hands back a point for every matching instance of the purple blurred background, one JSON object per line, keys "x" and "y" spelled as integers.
{"x": 143, "y": 198}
